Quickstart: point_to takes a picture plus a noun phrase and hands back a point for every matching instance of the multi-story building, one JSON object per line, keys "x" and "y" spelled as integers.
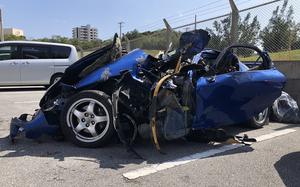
{"x": 85, "y": 33}
{"x": 13, "y": 31}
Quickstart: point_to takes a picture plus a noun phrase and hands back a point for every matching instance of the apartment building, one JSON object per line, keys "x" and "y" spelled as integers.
{"x": 13, "y": 31}
{"x": 85, "y": 33}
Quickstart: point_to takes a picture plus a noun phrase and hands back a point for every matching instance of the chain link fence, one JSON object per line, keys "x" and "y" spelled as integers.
{"x": 273, "y": 26}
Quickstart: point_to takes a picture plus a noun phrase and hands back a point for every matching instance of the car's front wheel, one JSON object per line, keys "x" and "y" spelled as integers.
{"x": 86, "y": 119}
{"x": 260, "y": 120}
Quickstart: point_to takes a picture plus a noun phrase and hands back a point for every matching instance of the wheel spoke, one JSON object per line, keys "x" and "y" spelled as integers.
{"x": 92, "y": 130}
{"x": 261, "y": 116}
{"x": 99, "y": 119}
{"x": 78, "y": 114}
{"x": 89, "y": 113}
{"x": 90, "y": 108}
{"x": 79, "y": 127}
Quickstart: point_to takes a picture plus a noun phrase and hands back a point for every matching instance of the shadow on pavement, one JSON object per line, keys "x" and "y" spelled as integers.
{"x": 288, "y": 168}
{"x": 22, "y": 89}
{"x": 113, "y": 156}
{"x": 244, "y": 149}
{"x": 287, "y": 126}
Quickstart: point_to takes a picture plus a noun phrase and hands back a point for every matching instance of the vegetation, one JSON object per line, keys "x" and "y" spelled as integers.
{"x": 156, "y": 40}
{"x": 281, "y": 32}
{"x": 247, "y": 32}
{"x": 292, "y": 55}
{"x": 13, "y": 37}
{"x": 79, "y": 44}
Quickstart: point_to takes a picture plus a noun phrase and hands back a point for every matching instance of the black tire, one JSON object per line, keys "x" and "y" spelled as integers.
{"x": 257, "y": 122}
{"x": 55, "y": 77}
{"x": 69, "y": 119}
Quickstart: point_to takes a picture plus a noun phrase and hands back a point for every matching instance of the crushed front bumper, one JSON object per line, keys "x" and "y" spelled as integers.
{"x": 34, "y": 128}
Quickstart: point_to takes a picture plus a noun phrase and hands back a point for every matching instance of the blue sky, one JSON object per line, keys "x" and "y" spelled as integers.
{"x": 44, "y": 18}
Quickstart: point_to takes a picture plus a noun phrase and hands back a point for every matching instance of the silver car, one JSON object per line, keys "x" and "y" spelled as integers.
{"x": 34, "y": 63}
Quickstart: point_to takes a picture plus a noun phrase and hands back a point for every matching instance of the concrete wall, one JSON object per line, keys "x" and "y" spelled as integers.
{"x": 292, "y": 71}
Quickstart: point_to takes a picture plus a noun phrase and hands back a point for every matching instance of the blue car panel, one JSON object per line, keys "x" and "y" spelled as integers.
{"x": 235, "y": 97}
{"x": 127, "y": 62}
{"x": 35, "y": 128}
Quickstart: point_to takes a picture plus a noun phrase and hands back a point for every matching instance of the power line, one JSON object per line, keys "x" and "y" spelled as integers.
{"x": 198, "y": 14}
{"x": 188, "y": 16}
{"x": 209, "y": 19}
{"x": 206, "y": 12}
{"x": 159, "y": 22}
{"x": 196, "y": 11}
{"x": 224, "y": 15}
{"x": 202, "y": 12}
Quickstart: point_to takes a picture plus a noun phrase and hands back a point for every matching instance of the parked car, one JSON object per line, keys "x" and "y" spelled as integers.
{"x": 168, "y": 98}
{"x": 34, "y": 63}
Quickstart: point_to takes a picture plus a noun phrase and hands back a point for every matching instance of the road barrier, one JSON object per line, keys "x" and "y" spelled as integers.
{"x": 292, "y": 71}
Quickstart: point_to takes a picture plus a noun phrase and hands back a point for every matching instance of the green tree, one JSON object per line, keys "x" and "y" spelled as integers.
{"x": 220, "y": 34}
{"x": 248, "y": 30}
{"x": 133, "y": 34}
{"x": 152, "y": 40}
{"x": 281, "y": 31}
{"x": 11, "y": 37}
{"x": 79, "y": 44}
{"x": 247, "y": 33}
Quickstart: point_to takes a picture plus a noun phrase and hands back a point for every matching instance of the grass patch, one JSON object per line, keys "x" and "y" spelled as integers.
{"x": 152, "y": 52}
{"x": 292, "y": 55}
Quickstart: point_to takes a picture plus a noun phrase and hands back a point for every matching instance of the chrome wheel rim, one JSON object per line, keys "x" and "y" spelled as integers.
{"x": 260, "y": 118}
{"x": 89, "y": 119}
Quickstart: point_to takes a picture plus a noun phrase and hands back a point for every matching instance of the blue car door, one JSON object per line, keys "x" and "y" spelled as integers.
{"x": 235, "y": 97}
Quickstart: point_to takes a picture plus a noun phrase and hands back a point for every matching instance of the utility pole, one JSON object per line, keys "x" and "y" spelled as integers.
{"x": 1, "y": 27}
{"x": 121, "y": 23}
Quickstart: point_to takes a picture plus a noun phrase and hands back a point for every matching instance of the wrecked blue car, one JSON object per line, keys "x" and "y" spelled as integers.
{"x": 191, "y": 88}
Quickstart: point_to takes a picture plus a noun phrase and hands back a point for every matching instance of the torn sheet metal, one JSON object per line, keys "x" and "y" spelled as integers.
{"x": 34, "y": 128}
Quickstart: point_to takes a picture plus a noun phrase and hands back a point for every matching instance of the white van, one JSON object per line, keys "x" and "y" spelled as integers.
{"x": 34, "y": 63}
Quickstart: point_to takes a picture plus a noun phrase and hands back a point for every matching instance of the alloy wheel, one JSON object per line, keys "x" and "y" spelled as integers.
{"x": 260, "y": 118}
{"x": 89, "y": 119}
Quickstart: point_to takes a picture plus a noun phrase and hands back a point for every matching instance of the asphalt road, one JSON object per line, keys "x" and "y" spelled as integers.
{"x": 272, "y": 162}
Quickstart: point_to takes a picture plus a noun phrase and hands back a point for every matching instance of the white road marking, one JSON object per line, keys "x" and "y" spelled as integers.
{"x": 274, "y": 134}
{"x": 197, "y": 156}
{"x": 184, "y": 160}
{"x": 25, "y": 102}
